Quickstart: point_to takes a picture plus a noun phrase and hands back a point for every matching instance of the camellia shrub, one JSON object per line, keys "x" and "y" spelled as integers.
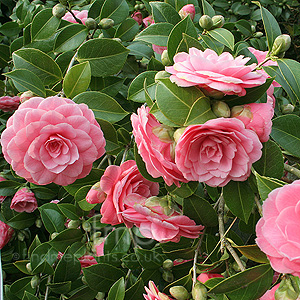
{"x": 150, "y": 150}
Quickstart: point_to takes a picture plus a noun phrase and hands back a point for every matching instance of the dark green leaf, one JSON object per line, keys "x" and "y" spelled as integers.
{"x": 29, "y": 296}
{"x": 223, "y": 36}
{"x": 135, "y": 292}
{"x": 21, "y": 220}
{"x": 207, "y": 9}
{"x": 4, "y": 55}
{"x": 117, "y": 10}
{"x": 140, "y": 50}
{"x": 127, "y": 30}
{"x": 211, "y": 43}
{"x": 20, "y": 286}
{"x": 117, "y": 291}
{"x": 84, "y": 293}
{"x": 149, "y": 259}
{"x": 69, "y": 210}
{"x": 52, "y": 218}
{"x": 253, "y": 252}
{"x": 61, "y": 287}
{"x": 110, "y": 85}
{"x": 110, "y": 135}
{"x": 66, "y": 238}
{"x": 9, "y": 187}
{"x": 10, "y": 29}
{"x": 164, "y": 13}
{"x": 118, "y": 241}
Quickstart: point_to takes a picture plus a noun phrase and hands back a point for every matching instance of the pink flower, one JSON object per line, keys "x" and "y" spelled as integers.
{"x": 217, "y": 151}
{"x": 24, "y": 200}
{"x": 138, "y": 17}
{"x": 208, "y": 70}
{"x": 87, "y": 261}
{"x": 278, "y": 230}
{"x": 154, "y": 294}
{"x": 158, "y": 49}
{"x": 257, "y": 117}
{"x": 81, "y": 15}
{"x": 95, "y": 194}
{"x": 270, "y": 295}
{"x": 187, "y": 10}
{"x": 100, "y": 248}
{"x": 52, "y": 140}
{"x": 6, "y": 233}
{"x": 203, "y": 277}
{"x": 118, "y": 183}
{"x": 155, "y": 146}
{"x": 2, "y": 197}
{"x": 148, "y": 21}
{"x": 8, "y": 103}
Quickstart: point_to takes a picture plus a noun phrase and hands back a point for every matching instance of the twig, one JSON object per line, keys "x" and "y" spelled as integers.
{"x": 292, "y": 170}
{"x": 196, "y": 256}
{"x": 133, "y": 239}
{"x": 102, "y": 161}
{"x": 258, "y": 204}
{"x": 75, "y": 18}
{"x": 47, "y": 287}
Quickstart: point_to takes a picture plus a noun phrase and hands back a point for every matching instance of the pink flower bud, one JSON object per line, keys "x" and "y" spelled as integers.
{"x": 148, "y": 21}
{"x": 8, "y": 103}
{"x": 95, "y": 194}
{"x": 24, "y": 200}
{"x": 138, "y": 17}
{"x": 187, "y": 10}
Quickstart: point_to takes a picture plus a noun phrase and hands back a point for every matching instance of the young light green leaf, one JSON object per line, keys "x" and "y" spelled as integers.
{"x": 223, "y": 36}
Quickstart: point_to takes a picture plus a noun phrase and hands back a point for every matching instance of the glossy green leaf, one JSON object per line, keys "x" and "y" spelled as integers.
{"x": 192, "y": 42}
{"x": 285, "y": 132}
{"x": 60, "y": 287}
{"x": 10, "y": 29}
{"x": 117, "y": 10}
{"x": 103, "y": 106}
{"x": 223, "y": 36}
{"x": 118, "y": 241}
{"x": 110, "y": 135}
{"x": 77, "y": 80}
{"x": 244, "y": 27}
{"x": 183, "y": 106}
{"x": 164, "y": 13}
{"x": 29, "y": 296}
{"x": 110, "y": 85}
{"x": 19, "y": 287}
{"x": 41, "y": 64}
{"x": 207, "y": 9}
{"x": 185, "y": 281}
{"x": 9, "y": 187}
{"x": 106, "y": 56}
{"x": 70, "y": 37}
{"x": 84, "y": 293}
{"x": 185, "y": 190}
{"x": 21, "y": 220}
{"x": 271, "y": 162}
{"x": 155, "y": 65}
{"x": 253, "y": 252}
{"x": 80, "y": 196}
{"x": 95, "y": 10}
{"x": 135, "y": 292}
{"x": 239, "y": 198}
{"x": 102, "y": 276}
{"x": 25, "y": 80}
{"x": 52, "y": 219}
{"x": 156, "y": 34}
{"x": 69, "y": 210}
{"x": 66, "y": 238}
{"x": 44, "y": 25}
{"x": 211, "y": 43}
{"x": 117, "y": 291}
{"x": 127, "y": 30}
{"x": 149, "y": 259}
{"x": 4, "y": 55}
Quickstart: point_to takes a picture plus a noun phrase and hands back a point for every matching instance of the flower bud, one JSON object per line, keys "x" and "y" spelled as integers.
{"x": 100, "y": 296}
{"x": 165, "y": 58}
{"x": 28, "y": 267}
{"x": 35, "y": 281}
{"x": 187, "y": 10}
{"x": 236, "y": 267}
{"x": 167, "y": 276}
{"x": 21, "y": 236}
{"x": 95, "y": 194}
{"x": 218, "y": 21}
{"x": 286, "y": 291}
{"x": 287, "y": 108}
{"x": 161, "y": 75}
{"x": 281, "y": 44}
{"x": 59, "y": 10}
{"x": 26, "y": 96}
{"x": 258, "y": 34}
{"x": 162, "y": 296}
{"x": 168, "y": 264}
{"x": 164, "y": 133}
{"x": 91, "y": 24}
{"x": 38, "y": 223}
{"x": 179, "y": 292}
{"x": 178, "y": 133}
{"x": 74, "y": 224}
{"x": 137, "y": 7}
{"x": 106, "y": 23}
{"x": 253, "y": 28}
{"x": 241, "y": 111}
{"x": 86, "y": 226}
{"x": 206, "y": 22}
{"x": 221, "y": 109}
{"x": 96, "y": 235}
{"x": 199, "y": 291}
{"x": 141, "y": 6}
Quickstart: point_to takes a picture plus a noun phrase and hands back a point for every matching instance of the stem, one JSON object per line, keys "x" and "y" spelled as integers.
{"x": 262, "y": 63}
{"x": 196, "y": 256}
{"x": 47, "y": 287}
{"x": 127, "y": 277}
{"x": 132, "y": 238}
{"x": 258, "y": 204}
{"x": 77, "y": 20}
{"x": 102, "y": 161}
{"x": 292, "y": 170}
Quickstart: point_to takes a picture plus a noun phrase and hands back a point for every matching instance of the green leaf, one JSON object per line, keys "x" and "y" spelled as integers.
{"x": 207, "y": 9}
{"x": 149, "y": 259}
{"x": 9, "y": 187}
{"x": 25, "y": 80}
{"x": 117, "y": 291}
{"x": 285, "y": 132}
{"x": 61, "y": 287}
{"x": 41, "y": 64}
{"x": 223, "y": 36}
{"x": 191, "y": 42}
{"x": 246, "y": 285}
{"x": 117, "y": 10}
{"x": 106, "y": 57}
{"x": 80, "y": 196}
{"x": 183, "y": 106}
{"x": 185, "y": 281}
{"x": 156, "y": 34}
{"x": 95, "y": 9}
{"x": 70, "y": 210}
{"x": 66, "y": 238}
{"x": 10, "y": 29}
{"x": 140, "y": 50}
{"x": 164, "y": 13}
{"x": 110, "y": 85}
{"x": 185, "y": 190}
{"x": 19, "y": 287}
{"x": 135, "y": 292}
{"x": 4, "y": 55}
{"x": 271, "y": 162}
{"x": 244, "y": 27}
{"x": 239, "y": 198}
{"x": 266, "y": 184}
{"x": 200, "y": 210}
{"x": 44, "y": 25}
{"x": 84, "y": 293}
{"x": 52, "y": 218}
{"x": 211, "y": 43}
{"x": 118, "y": 241}
{"x": 103, "y": 106}
{"x": 29, "y": 296}
{"x": 127, "y": 30}
{"x": 77, "y": 80}
{"x": 21, "y": 220}
{"x": 155, "y": 65}
{"x": 70, "y": 37}
{"x": 271, "y": 26}
{"x": 253, "y": 252}
{"x": 110, "y": 135}
{"x": 102, "y": 276}
{"x": 176, "y": 42}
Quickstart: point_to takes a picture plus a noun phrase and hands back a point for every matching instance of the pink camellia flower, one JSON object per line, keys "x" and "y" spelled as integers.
{"x": 154, "y": 294}
{"x": 8, "y": 103}
{"x": 159, "y": 49}
{"x": 277, "y": 231}
{"x": 156, "y": 220}
{"x": 118, "y": 183}
{"x": 187, "y": 10}
{"x": 100, "y": 248}
{"x": 24, "y": 200}
{"x": 2, "y": 197}
{"x": 138, "y": 17}
{"x": 203, "y": 277}
{"x": 52, "y": 140}
{"x": 257, "y": 117}
{"x": 87, "y": 261}
{"x": 6, "y": 233}
{"x": 217, "y": 151}
{"x": 81, "y": 15}
{"x": 148, "y": 21}
{"x": 270, "y": 294}
{"x": 95, "y": 194}
{"x": 206, "y": 69}
{"x": 156, "y": 146}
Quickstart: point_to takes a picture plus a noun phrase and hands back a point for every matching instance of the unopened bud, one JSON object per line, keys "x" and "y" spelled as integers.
{"x": 35, "y": 281}
{"x": 161, "y": 75}
{"x": 141, "y": 6}
{"x": 100, "y": 296}
{"x": 38, "y": 223}
{"x": 199, "y": 291}
{"x": 287, "y": 108}
{"x": 91, "y": 24}
{"x": 178, "y": 133}
{"x": 281, "y": 44}
{"x": 86, "y": 226}
{"x": 241, "y": 111}
{"x": 106, "y": 23}
{"x": 59, "y": 10}
{"x": 253, "y": 28}
{"x": 162, "y": 296}
{"x": 137, "y": 7}
{"x": 218, "y": 21}
{"x": 206, "y": 22}
{"x": 168, "y": 264}
{"x": 213, "y": 93}
{"x": 26, "y": 96}
{"x": 179, "y": 292}
{"x": 167, "y": 276}
{"x": 258, "y": 34}
{"x": 96, "y": 235}
{"x": 187, "y": 10}
{"x": 95, "y": 194}
{"x": 164, "y": 133}
{"x": 28, "y": 267}
{"x": 165, "y": 58}
{"x": 221, "y": 109}
{"x": 74, "y": 224}
{"x": 21, "y": 236}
